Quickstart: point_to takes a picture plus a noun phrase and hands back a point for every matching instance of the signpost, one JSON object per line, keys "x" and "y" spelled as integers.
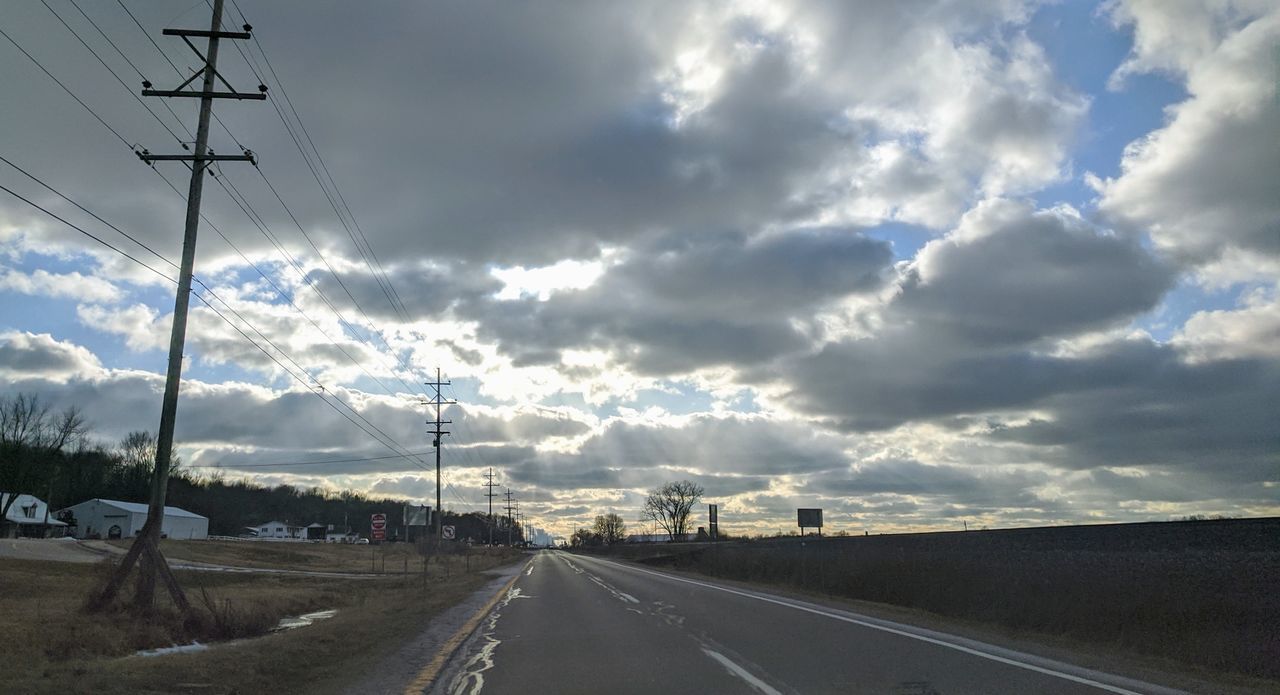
{"x": 378, "y": 527}
{"x": 713, "y": 512}
{"x": 448, "y": 533}
{"x": 809, "y": 518}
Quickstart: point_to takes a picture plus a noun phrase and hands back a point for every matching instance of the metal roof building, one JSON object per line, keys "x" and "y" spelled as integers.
{"x": 99, "y": 518}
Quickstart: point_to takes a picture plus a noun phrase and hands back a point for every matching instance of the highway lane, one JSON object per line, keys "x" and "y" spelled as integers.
{"x": 574, "y": 624}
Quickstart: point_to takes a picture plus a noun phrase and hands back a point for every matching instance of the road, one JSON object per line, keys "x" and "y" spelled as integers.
{"x": 574, "y": 624}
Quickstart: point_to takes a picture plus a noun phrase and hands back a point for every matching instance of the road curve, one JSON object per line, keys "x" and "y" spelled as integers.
{"x": 574, "y": 624}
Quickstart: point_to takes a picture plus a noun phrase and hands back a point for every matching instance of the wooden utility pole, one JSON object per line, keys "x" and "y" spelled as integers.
{"x": 437, "y": 433}
{"x": 147, "y": 542}
{"x": 490, "y": 494}
{"x": 509, "y": 508}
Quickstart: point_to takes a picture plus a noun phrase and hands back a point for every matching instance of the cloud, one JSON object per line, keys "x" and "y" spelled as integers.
{"x": 1203, "y": 185}
{"x": 681, "y": 303}
{"x": 1253, "y": 330}
{"x": 959, "y": 335}
{"x": 29, "y": 355}
{"x": 71, "y": 285}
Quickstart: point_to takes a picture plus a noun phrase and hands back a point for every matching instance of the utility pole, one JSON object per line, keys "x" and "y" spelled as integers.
{"x": 437, "y": 433}
{"x": 490, "y": 494}
{"x": 509, "y": 508}
{"x": 147, "y": 542}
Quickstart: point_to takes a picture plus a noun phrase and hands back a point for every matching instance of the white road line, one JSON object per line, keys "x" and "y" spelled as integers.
{"x": 742, "y": 673}
{"x": 901, "y": 630}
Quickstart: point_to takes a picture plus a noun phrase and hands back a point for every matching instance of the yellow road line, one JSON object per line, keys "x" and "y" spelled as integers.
{"x": 432, "y": 670}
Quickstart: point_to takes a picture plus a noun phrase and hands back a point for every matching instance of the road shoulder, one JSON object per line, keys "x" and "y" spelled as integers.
{"x": 406, "y": 665}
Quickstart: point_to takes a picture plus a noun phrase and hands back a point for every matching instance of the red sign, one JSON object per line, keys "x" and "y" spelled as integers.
{"x": 378, "y": 524}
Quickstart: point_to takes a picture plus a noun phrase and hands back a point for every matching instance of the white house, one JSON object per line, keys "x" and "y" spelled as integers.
{"x": 98, "y": 518}
{"x": 281, "y": 530}
{"x": 28, "y": 517}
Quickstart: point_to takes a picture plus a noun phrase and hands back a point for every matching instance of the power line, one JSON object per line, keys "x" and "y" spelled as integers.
{"x": 317, "y": 463}
{"x": 317, "y": 389}
{"x": 170, "y": 184}
{"x": 67, "y": 90}
{"x": 113, "y": 74}
{"x": 380, "y": 275}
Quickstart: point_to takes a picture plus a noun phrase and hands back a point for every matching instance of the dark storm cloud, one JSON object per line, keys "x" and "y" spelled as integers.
{"x": 681, "y": 302}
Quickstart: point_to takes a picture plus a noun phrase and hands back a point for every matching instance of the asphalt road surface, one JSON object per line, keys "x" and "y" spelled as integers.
{"x": 573, "y": 624}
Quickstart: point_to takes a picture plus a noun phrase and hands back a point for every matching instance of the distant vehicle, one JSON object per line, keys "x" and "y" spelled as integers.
{"x": 362, "y": 541}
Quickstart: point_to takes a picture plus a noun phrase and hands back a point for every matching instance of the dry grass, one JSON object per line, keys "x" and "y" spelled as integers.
{"x": 52, "y": 646}
{"x": 390, "y": 558}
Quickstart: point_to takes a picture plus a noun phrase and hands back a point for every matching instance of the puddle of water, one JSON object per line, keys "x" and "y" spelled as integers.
{"x": 303, "y": 620}
{"x": 285, "y": 624}
{"x": 175, "y": 649}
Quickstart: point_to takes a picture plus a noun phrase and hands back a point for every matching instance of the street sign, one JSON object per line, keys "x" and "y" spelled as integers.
{"x": 378, "y": 526}
{"x": 448, "y": 532}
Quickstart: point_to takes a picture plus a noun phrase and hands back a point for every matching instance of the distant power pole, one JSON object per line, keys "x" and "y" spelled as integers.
{"x": 510, "y": 522}
{"x": 490, "y": 494}
{"x": 148, "y": 538}
{"x": 437, "y": 433}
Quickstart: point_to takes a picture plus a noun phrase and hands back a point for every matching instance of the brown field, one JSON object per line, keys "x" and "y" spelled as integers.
{"x": 1199, "y": 595}
{"x": 51, "y": 645}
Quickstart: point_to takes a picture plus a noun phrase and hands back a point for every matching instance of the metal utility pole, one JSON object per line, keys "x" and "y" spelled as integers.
{"x": 148, "y": 538}
{"x": 437, "y": 433}
{"x": 490, "y": 494}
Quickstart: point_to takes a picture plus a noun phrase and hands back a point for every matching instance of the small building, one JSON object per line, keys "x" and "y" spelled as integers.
{"x": 28, "y": 517}
{"x": 99, "y": 518}
{"x": 280, "y": 530}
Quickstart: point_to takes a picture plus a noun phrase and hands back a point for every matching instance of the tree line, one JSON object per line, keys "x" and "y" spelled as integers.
{"x": 51, "y": 455}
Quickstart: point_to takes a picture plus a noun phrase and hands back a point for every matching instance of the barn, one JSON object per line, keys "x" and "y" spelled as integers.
{"x": 99, "y": 518}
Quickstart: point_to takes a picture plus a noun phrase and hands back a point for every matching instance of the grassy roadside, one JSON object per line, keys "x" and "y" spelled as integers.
{"x": 390, "y": 558}
{"x": 51, "y": 646}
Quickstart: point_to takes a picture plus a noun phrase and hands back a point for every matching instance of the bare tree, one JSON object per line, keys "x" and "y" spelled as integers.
{"x": 670, "y": 505}
{"x": 27, "y": 428}
{"x": 23, "y": 421}
{"x": 69, "y": 428}
{"x": 138, "y": 451}
{"x": 610, "y": 528}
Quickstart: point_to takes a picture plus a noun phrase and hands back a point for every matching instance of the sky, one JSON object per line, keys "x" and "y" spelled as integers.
{"x": 920, "y": 264}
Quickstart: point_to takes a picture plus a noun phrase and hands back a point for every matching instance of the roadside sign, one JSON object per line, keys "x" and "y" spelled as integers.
{"x": 713, "y": 520}
{"x": 378, "y": 526}
{"x": 448, "y": 532}
{"x": 809, "y": 518}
